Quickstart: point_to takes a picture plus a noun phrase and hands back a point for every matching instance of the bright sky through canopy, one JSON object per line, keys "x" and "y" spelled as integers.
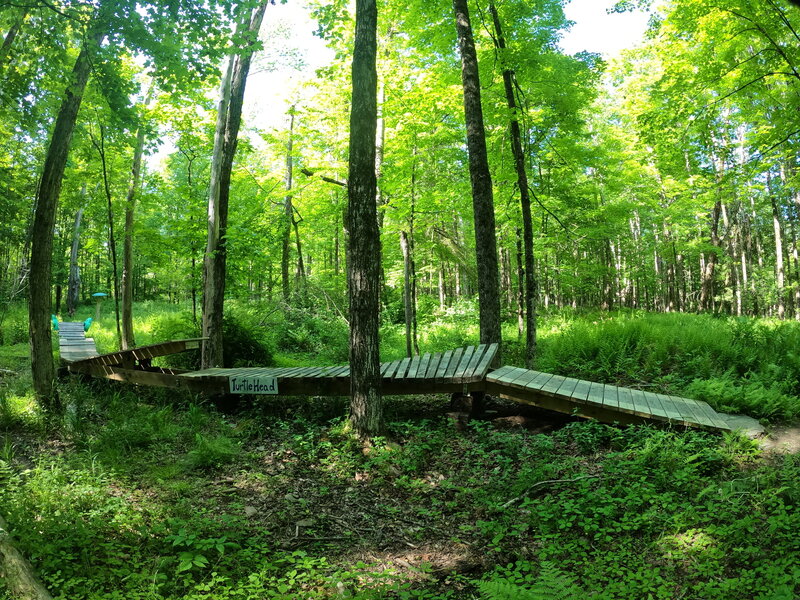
{"x": 597, "y": 31}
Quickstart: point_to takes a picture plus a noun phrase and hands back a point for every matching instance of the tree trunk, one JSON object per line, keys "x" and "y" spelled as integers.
{"x": 229, "y": 117}
{"x": 128, "y": 340}
{"x": 39, "y": 307}
{"x": 288, "y": 213}
{"x": 11, "y": 35}
{"x": 780, "y": 274}
{"x": 531, "y": 283}
{"x": 363, "y": 242}
{"x": 74, "y": 282}
{"x": 16, "y": 572}
{"x": 481, "y": 181}
{"x": 112, "y": 243}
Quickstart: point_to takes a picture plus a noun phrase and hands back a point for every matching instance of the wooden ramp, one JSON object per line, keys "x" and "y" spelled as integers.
{"x": 464, "y": 370}
{"x": 606, "y": 403}
{"x": 73, "y": 345}
{"x": 460, "y": 370}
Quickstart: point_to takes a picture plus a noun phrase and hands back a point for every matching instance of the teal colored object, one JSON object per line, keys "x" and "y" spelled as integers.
{"x": 87, "y": 323}
{"x": 55, "y": 322}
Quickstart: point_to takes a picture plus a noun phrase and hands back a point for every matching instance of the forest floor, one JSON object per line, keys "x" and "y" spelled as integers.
{"x": 147, "y": 494}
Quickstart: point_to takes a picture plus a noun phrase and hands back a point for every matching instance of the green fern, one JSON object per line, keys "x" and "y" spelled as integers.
{"x": 552, "y": 584}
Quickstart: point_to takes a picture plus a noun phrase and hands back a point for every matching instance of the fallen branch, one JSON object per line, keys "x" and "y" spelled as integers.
{"x": 7, "y": 373}
{"x": 539, "y": 484}
{"x": 16, "y": 572}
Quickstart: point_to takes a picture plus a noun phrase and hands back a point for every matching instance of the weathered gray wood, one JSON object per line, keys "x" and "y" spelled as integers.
{"x": 423, "y": 366}
{"x": 581, "y": 391}
{"x": 486, "y": 361}
{"x": 402, "y": 369}
{"x": 466, "y": 357}
{"x": 567, "y": 387}
{"x": 553, "y": 384}
{"x": 610, "y": 397}
{"x": 454, "y": 362}
{"x": 595, "y": 393}
{"x": 625, "y": 399}
{"x": 413, "y": 367}
{"x": 443, "y": 364}
{"x": 433, "y": 366}
{"x": 537, "y": 382}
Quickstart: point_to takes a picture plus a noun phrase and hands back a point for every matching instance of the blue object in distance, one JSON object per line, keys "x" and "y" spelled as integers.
{"x": 55, "y": 322}
{"x": 87, "y": 323}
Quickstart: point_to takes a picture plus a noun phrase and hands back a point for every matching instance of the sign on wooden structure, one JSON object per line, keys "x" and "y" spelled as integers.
{"x": 253, "y": 385}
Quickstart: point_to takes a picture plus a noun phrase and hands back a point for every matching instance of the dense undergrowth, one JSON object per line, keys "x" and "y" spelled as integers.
{"x": 143, "y": 494}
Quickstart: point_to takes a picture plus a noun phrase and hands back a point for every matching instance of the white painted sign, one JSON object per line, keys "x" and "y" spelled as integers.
{"x": 253, "y": 385}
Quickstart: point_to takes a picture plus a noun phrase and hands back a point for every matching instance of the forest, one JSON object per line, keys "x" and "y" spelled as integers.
{"x": 382, "y": 182}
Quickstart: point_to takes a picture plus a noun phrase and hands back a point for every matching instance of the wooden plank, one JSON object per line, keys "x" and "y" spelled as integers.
{"x": 443, "y": 364}
{"x": 384, "y": 367}
{"x": 497, "y": 373}
{"x": 713, "y": 416}
{"x": 566, "y": 388}
{"x": 485, "y": 362}
{"x": 506, "y": 377}
{"x": 552, "y": 385}
{"x": 656, "y": 408}
{"x": 641, "y": 405}
{"x": 401, "y": 370}
{"x": 673, "y": 410}
{"x": 454, "y": 362}
{"x": 695, "y": 412}
{"x": 581, "y": 391}
{"x": 610, "y": 397}
{"x": 525, "y": 378}
{"x": 392, "y": 368}
{"x": 595, "y": 394}
{"x": 433, "y": 365}
{"x": 537, "y": 382}
{"x": 473, "y": 363}
{"x": 458, "y": 375}
{"x": 423, "y": 366}
{"x": 625, "y": 400}
{"x": 413, "y": 367}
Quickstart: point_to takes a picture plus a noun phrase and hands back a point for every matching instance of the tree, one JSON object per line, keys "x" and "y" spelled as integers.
{"x": 229, "y": 117}
{"x": 481, "y": 180}
{"x": 531, "y": 291}
{"x": 40, "y": 306}
{"x": 363, "y": 242}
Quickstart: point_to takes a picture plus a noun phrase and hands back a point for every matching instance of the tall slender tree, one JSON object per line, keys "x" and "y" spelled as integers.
{"x": 229, "y": 117}
{"x": 40, "y": 302}
{"x": 363, "y": 243}
{"x": 481, "y": 181}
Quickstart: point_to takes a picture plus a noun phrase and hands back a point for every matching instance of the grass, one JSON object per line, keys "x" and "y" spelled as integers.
{"x": 142, "y": 493}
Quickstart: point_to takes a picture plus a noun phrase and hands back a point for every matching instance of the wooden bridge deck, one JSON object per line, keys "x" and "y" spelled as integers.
{"x": 600, "y": 401}
{"x": 463, "y": 370}
{"x": 73, "y": 345}
{"x": 460, "y": 370}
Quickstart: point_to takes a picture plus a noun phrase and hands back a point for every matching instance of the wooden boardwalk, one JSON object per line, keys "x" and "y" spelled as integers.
{"x": 607, "y": 403}
{"x": 73, "y": 345}
{"x": 461, "y": 370}
{"x": 464, "y": 370}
